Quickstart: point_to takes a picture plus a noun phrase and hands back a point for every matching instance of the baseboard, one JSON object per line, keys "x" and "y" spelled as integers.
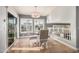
{"x": 66, "y": 44}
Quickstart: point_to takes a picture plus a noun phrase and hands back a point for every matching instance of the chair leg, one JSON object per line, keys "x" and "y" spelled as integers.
{"x": 46, "y": 45}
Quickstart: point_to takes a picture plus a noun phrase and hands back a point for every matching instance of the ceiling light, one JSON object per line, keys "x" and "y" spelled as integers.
{"x": 35, "y": 13}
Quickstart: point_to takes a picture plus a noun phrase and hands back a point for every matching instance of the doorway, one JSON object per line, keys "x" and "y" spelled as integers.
{"x": 12, "y": 27}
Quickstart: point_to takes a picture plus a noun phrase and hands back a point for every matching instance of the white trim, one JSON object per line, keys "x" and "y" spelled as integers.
{"x": 66, "y": 44}
{"x": 9, "y": 47}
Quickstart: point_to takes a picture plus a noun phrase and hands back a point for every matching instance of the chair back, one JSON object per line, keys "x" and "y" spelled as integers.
{"x": 43, "y": 34}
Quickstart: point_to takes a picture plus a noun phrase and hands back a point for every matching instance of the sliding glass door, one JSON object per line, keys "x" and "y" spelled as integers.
{"x": 12, "y": 28}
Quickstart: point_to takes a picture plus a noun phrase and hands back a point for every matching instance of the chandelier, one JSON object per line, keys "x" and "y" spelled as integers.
{"x": 35, "y": 13}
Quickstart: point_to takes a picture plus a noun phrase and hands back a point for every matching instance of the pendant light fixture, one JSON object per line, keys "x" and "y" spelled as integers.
{"x": 35, "y": 13}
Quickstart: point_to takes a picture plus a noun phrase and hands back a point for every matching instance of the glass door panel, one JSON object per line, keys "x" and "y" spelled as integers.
{"x": 38, "y": 25}
{"x": 11, "y": 29}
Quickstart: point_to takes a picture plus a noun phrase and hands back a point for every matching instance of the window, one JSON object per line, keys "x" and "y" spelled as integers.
{"x": 38, "y": 24}
{"x": 29, "y": 26}
{"x": 26, "y": 25}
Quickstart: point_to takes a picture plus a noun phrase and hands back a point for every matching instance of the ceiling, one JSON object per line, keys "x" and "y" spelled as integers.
{"x": 27, "y": 10}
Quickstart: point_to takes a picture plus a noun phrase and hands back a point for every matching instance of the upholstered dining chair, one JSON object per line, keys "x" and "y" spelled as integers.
{"x": 43, "y": 38}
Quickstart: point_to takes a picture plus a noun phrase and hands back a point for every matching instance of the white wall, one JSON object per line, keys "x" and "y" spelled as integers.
{"x": 13, "y": 12}
{"x": 3, "y": 29}
{"x": 65, "y": 14}
{"x": 4, "y": 26}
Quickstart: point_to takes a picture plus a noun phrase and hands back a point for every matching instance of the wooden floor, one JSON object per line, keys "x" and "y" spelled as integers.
{"x": 23, "y": 46}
